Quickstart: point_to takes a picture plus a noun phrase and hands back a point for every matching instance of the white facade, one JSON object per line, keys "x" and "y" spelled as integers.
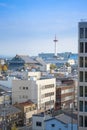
{"x": 35, "y": 74}
{"x": 82, "y": 83}
{"x": 71, "y": 61}
{"x": 40, "y": 91}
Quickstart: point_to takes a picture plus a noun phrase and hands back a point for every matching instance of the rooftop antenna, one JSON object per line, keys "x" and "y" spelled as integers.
{"x": 55, "y": 50}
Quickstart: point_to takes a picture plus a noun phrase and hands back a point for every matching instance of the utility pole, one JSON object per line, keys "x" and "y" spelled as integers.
{"x": 4, "y": 116}
{"x": 71, "y": 106}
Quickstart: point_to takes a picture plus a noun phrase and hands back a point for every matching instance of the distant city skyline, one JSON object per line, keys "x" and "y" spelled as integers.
{"x": 29, "y": 26}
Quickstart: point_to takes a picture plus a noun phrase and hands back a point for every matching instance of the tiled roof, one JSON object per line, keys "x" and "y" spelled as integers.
{"x": 9, "y": 110}
{"x": 27, "y": 59}
{"x": 27, "y": 103}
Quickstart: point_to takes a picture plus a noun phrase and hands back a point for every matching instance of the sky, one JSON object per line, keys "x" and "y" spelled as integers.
{"x": 28, "y": 27}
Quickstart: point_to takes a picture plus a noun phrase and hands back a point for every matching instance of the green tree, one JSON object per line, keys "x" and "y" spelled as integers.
{"x": 53, "y": 66}
{"x": 14, "y": 127}
{"x": 67, "y": 64}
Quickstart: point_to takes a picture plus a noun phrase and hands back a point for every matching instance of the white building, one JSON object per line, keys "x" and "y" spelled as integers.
{"x": 36, "y": 74}
{"x": 44, "y": 66}
{"x": 71, "y": 61}
{"x": 41, "y": 91}
{"x": 82, "y": 83}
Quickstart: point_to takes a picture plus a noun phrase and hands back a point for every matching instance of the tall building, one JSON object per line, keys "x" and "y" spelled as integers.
{"x": 40, "y": 91}
{"x": 82, "y": 82}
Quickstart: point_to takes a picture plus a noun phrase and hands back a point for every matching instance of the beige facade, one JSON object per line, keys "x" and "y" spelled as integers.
{"x": 28, "y": 109}
{"x": 42, "y": 92}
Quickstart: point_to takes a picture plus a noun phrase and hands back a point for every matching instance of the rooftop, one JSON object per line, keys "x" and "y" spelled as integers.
{"x": 27, "y": 103}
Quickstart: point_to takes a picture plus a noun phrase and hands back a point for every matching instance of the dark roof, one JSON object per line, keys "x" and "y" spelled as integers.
{"x": 54, "y": 119}
{"x": 9, "y": 110}
{"x": 27, "y": 103}
{"x": 27, "y": 59}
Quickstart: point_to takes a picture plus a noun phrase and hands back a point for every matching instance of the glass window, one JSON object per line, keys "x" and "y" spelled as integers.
{"x": 81, "y": 105}
{"x": 53, "y": 125}
{"x": 81, "y": 61}
{"x": 38, "y": 123}
{"x": 85, "y": 32}
{"x": 81, "y": 76}
{"x": 81, "y": 47}
{"x": 85, "y": 121}
{"x": 85, "y": 106}
{"x": 80, "y": 120}
{"x": 85, "y": 76}
{"x": 23, "y": 87}
{"x": 81, "y": 32}
{"x": 81, "y": 91}
{"x": 85, "y": 47}
{"x": 85, "y": 61}
{"x": 85, "y": 91}
{"x": 26, "y": 87}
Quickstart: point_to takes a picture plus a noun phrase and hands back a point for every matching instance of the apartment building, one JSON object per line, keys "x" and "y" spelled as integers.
{"x": 27, "y": 108}
{"x": 40, "y": 91}
{"x": 82, "y": 82}
{"x": 65, "y": 93}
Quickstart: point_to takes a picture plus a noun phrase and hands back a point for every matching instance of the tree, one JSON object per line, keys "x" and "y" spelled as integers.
{"x": 0, "y": 67}
{"x": 67, "y": 64}
{"x": 14, "y": 127}
{"x": 4, "y": 67}
{"x": 53, "y": 66}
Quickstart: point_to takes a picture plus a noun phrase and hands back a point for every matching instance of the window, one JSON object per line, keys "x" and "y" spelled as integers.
{"x": 81, "y": 91}
{"x": 85, "y": 47}
{"x": 80, "y": 120}
{"x": 81, "y": 61}
{"x": 49, "y": 94}
{"x": 85, "y": 32}
{"x": 85, "y": 106}
{"x": 85, "y": 91}
{"x": 53, "y": 125}
{"x": 81, "y": 76}
{"x": 81, "y": 47}
{"x": 38, "y": 123}
{"x": 85, "y": 76}
{"x": 27, "y": 88}
{"x": 81, "y": 105}
{"x": 23, "y": 87}
{"x": 81, "y": 32}
{"x": 85, "y": 121}
{"x": 27, "y": 110}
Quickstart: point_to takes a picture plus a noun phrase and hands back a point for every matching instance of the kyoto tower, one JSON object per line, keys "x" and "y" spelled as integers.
{"x": 55, "y": 47}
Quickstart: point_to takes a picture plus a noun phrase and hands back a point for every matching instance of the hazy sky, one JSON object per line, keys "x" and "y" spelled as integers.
{"x": 29, "y": 26}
